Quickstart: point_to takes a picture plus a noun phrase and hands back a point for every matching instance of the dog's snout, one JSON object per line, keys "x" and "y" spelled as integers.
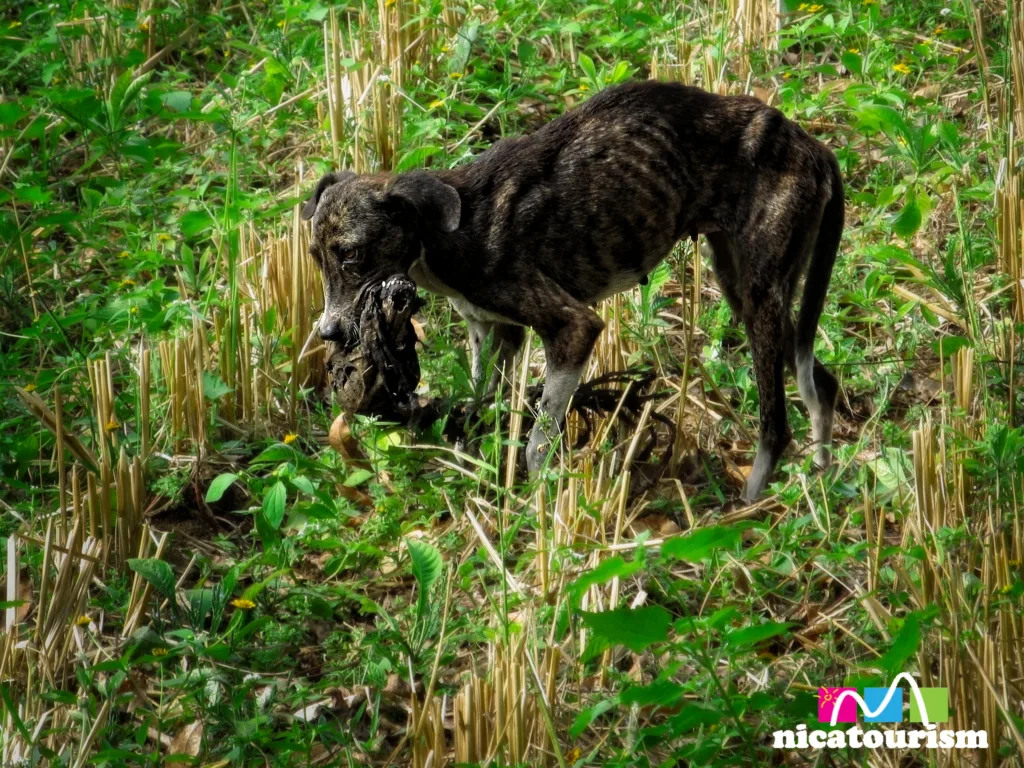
{"x": 331, "y": 329}
{"x": 345, "y": 334}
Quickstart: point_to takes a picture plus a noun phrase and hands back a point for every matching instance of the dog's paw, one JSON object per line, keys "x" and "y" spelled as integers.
{"x": 823, "y": 458}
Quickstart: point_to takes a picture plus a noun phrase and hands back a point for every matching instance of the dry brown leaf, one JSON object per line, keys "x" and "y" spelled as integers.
{"x": 187, "y": 741}
{"x": 417, "y": 328}
{"x": 342, "y": 441}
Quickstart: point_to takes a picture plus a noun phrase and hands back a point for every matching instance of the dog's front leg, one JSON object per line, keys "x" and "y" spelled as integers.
{"x": 568, "y": 343}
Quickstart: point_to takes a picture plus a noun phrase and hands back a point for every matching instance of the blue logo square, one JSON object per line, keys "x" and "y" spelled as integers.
{"x": 893, "y": 712}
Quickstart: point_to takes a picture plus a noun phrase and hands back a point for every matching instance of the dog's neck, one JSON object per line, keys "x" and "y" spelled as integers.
{"x": 425, "y": 276}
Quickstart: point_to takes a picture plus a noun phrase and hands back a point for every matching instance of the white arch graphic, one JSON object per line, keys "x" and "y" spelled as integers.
{"x": 914, "y": 690}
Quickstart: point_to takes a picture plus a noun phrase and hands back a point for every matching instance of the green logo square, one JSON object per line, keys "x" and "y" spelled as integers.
{"x": 936, "y": 705}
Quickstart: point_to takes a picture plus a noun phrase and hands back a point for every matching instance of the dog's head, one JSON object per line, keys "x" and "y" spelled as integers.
{"x": 368, "y": 228}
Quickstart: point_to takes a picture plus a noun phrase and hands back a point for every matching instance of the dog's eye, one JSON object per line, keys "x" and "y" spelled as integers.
{"x": 345, "y": 255}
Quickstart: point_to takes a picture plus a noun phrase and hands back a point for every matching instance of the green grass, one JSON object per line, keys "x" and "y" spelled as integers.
{"x": 320, "y": 595}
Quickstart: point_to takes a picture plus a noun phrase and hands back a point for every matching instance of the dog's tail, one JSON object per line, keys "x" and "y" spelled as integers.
{"x": 819, "y": 273}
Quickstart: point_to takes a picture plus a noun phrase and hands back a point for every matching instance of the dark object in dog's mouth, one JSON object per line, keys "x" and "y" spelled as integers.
{"x": 379, "y": 375}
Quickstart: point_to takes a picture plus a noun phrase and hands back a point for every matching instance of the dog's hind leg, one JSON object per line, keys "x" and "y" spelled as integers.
{"x": 724, "y": 265}
{"x": 766, "y": 327}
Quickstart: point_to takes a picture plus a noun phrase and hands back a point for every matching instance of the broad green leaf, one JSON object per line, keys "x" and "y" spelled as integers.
{"x": 463, "y": 46}
{"x": 701, "y": 544}
{"x": 156, "y": 572}
{"x": 426, "y": 568}
{"x": 193, "y": 223}
{"x": 273, "y": 504}
{"x": 133, "y": 90}
{"x": 358, "y": 477}
{"x": 416, "y": 158}
{"x": 893, "y": 469}
{"x": 853, "y": 62}
{"x": 903, "y": 647}
{"x": 214, "y": 387}
{"x": 587, "y": 716}
{"x": 635, "y": 628}
{"x": 949, "y": 345}
{"x": 603, "y": 573}
{"x": 756, "y": 634}
{"x": 426, "y": 563}
{"x": 116, "y": 99}
{"x": 621, "y": 72}
{"x": 219, "y": 486}
{"x": 587, "y": 65}
{"x": 909, "y": 219}
{"x": 275, "y": 454}
{"x": 200, "y": 602}
{"x": 660, "y": 692}
{"x": 177, "y": 101}
{"x": 694, "y": 716}
{"x": 885, "y": 119}
{"x": 11, "y": 113}
{"x": 527, "y": 53}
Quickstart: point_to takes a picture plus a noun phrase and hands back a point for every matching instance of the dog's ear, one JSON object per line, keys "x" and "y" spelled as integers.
{"x": 330, "y": 179}
{"x": 437, "y": 203}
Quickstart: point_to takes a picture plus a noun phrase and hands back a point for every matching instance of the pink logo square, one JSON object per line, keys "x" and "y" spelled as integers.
{"x": 827, "y": 698}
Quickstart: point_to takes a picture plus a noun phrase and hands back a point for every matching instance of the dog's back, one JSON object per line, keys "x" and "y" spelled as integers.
{"x": 599, "y": 196}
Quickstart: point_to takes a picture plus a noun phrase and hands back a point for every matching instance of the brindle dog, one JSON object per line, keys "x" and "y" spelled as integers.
{"x": 537, "y": 229}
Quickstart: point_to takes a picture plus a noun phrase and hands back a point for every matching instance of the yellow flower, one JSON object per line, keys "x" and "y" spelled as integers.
{"x": 159, "y": 651}
{"x": 868, "y": 2}
{"x": 584, "y": 87}
{"x": 243, "y": 604}
{"x": 83, "y": 620}
{"x": 112, "y": 425}
{"x": 14, "y": 25}
{"x": 163, "y": 237}
{"x": 802, "y": 7}
{"x": 902, "y": 68}
{"x": 574, "y": 755}
{"x": 389, "y": 3}
{"x": 446, "y": 48}
{"x": 123, "y": 255}
{"x": 127, "y": 283}
{"x": 853, "y": 50}
{"x": 281, "y": 23}
{"x": 144, "y": 26}
{"x": 815, "y": 8}
{"x": 30, "y": 387}
{"x": 437, "y": 103}
{"x": 940, "y": 29}
{"x": 786, "y": 75}
{"x": 290, "y": 438}
{"x": 455, "y": 75}
{"x": 134, "y": 310}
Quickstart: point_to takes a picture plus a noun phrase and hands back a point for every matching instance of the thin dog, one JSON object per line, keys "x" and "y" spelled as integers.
{"x": 537, "y": 229}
